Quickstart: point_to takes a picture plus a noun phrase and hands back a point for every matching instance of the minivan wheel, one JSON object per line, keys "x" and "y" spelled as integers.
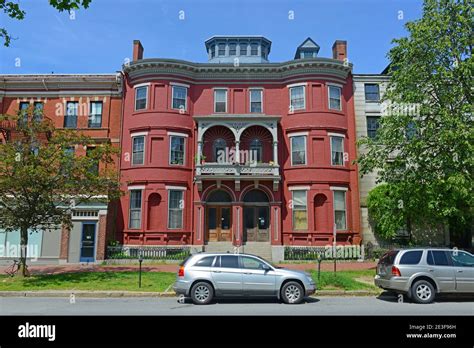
{"x": 292, "y": 293}
{"x": 423, "y": 292}
{"x": 202, "y": 293}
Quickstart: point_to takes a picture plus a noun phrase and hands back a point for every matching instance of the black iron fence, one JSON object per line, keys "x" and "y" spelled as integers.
{"x": 148, "y": 253}
{"x": 341, "y": 252}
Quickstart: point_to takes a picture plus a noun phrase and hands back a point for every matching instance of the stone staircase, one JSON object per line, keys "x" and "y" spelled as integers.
{"x": 261, "y": 249}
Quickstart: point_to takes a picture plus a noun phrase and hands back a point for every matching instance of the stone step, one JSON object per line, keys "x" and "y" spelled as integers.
{"x": 260, "y": 249}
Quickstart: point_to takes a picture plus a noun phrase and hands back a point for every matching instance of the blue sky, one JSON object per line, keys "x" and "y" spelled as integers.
{"x": 99, "y": 39}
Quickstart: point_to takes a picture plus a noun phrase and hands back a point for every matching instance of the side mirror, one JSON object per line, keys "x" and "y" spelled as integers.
{"x": 266, "y": 267}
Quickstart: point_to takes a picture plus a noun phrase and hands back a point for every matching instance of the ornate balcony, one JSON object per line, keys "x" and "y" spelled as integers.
{"x": 237, "y": 147}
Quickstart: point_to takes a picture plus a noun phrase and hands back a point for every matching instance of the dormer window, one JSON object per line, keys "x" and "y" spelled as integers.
{"x": 308, "y": 54}
{"x": 221, "y": 51}
{"x": 213, "y": 51}
{"x": 254, "y": 50}
{"x": 232, "y": 49}
{"x": 243, "y": 49}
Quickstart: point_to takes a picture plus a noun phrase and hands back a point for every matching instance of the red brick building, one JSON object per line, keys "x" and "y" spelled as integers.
{"x": 92, "y": 105}
{"x": 239, "y": 151}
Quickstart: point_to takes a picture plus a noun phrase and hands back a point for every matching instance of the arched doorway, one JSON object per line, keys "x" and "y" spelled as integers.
{"x": 256, "y": 216}
{"x": 219, "y": 217}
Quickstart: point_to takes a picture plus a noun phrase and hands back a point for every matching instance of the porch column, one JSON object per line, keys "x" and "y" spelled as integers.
{"x": 199, "y": 152}
{"x": 275, "y": 151}
{"x": 237, "y": 151}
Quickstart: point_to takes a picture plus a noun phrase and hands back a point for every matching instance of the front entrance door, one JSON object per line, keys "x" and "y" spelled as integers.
{"x": 219, "y": 224}
{"x": 88, "y": 242}
{"x": 256, "y": 224}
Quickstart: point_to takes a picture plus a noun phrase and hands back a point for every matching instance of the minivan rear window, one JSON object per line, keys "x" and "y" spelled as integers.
{"x": 411, "y": 257}
{"x": 389, "y": 258}
{"x": 205, "y": 261}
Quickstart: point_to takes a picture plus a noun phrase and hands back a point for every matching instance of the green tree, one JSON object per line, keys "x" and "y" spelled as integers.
{"x": 42, "y": 180}
{"x": 12, "y": 9}
{"x": 424, "y": 147}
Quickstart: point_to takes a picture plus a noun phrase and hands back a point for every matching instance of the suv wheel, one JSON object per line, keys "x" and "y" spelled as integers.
{"x": 202, "y": 293}
{"x": 423, "y": 292}
{"x": 292, "y": 293}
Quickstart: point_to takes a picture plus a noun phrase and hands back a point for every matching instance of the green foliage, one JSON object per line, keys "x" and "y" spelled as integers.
{"x": 41, "y": 182}
{"x": 386, "y": 211}
{"x": 13, "y": 10}
{"x": 431, "y": 170}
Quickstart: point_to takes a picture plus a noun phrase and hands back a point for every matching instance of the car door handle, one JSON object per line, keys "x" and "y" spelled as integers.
{"x": 216, "y": 271}
{"x": 247, "y": 273}
{"x": 459, "y": 271}
{"x": 431, "y": 270}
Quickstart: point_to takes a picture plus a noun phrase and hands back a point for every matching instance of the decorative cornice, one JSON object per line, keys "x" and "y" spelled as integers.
{"x": 272, "y": 72}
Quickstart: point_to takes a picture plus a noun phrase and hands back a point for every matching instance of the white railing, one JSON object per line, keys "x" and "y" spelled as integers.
{"x": 266, "y": 169}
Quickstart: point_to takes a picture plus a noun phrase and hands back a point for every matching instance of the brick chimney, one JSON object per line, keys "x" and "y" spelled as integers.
{"x": 339, "y": 50}
{"x": 137, "y": 50}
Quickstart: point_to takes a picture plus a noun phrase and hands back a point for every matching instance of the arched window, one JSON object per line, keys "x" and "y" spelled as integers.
{"x": 219, "y": 196}
{"x": 218, "y": 150}
{"x": 255, "y": 196}
{"x": 256, "y": 150}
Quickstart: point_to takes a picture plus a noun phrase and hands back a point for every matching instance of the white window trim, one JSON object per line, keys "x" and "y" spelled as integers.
{"x": 144, "y": 150}
{"x": 179, "y": 84}
{"x": 334, "y": 210}
{"x": 297, "y": 84}
{"x": 147, "y": 85}
{"x": 250, "y": 99}
{"x": 298, "y": 134}
{"x": 304, "y": 96}
{"x": 184, "y": 150}
{"x": 185, "y": 99}
{"x": 305, "y": 152}
{"x": 176, "y": 134}
{"x": 299, "y": 188}
{"x": 226, "y": 99}
{"x": 177, "y": 188}
{"x": 329, "y": 96}
{"x": 343, "y": 148}
{"x": 136, "y": 187}
{"x": 338, "y": 188}
{"x": 169, "y": 211}
{"x": 336, "y": 135}
{"x": 137, "y": 134}
{"x": 141, "y": 210}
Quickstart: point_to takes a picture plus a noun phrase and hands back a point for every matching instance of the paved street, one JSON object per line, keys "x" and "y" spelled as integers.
{"x": 384, "y": 305}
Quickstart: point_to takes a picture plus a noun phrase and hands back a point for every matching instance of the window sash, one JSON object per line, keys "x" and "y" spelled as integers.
{"x": 256, "y": 100}
{"x": 232, "y": 49}
{"x": 38, "y": 108}
{"x": 340, "y": 210}
{"x": 220, "y": 100}
{"x": 298, "y": 150}
{"x": 180, "y": 95}
{"x": 138, "y": 150}
{"x": 254, "y": 50}
{"x": 175, "y": 209}
{"x": 373, "y": 124}
{"x": 176, "y": 150}
{"x": 300, "y": 210}
{"x": 70, "y": 118}
{"x": 141, "y": 97}
{"x": 335, "y": 97}
{"x": 243, "y": 49}
{"x": 95, "y": 115}
{"x": 372, "y": 92}
{"x": 297, "y": 97}
{"x": 135, "y": 217}
{"x": 221, "y": 50}
{"x": 337, "y": 151}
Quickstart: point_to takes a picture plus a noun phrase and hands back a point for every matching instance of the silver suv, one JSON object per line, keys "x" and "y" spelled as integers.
{"x": 422, "y": 273}
{"x": 204, "y": 276}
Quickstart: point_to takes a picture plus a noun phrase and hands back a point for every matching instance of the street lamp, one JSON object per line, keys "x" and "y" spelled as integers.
{"x": 140, "y": 260}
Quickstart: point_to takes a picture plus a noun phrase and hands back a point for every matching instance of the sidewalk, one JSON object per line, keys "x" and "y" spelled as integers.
{"x": 55, "y": 269}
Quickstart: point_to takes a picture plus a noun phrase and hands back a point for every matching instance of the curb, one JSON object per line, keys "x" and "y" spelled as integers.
{"x": 132, "y": 294}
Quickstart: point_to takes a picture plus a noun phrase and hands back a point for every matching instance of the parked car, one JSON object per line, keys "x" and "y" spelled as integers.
{"x": 205, "y": 276}
{"x": 422, "y": 273}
